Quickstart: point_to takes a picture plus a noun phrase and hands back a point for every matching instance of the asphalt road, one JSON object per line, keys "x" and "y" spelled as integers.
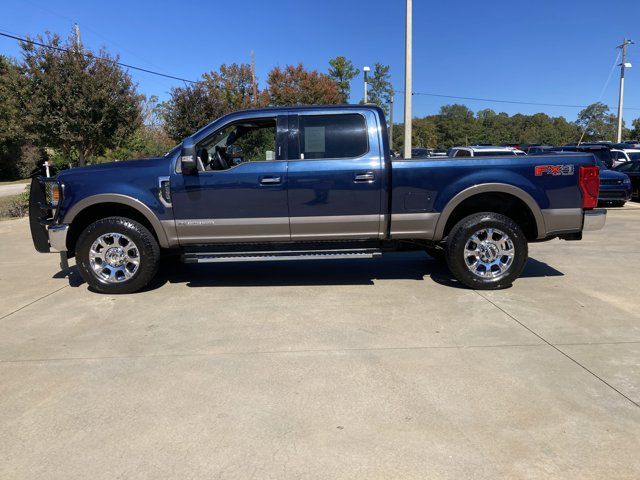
{"x": 12, "y": 189}
{"x": 337, "y": 370}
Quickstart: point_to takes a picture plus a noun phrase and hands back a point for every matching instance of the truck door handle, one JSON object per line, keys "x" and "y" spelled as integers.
{"x": 270, "y": 180}
{"x": 366, "y": 177}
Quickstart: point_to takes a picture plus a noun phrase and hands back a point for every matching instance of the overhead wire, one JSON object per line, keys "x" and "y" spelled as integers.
{"x": 11, "y": 35}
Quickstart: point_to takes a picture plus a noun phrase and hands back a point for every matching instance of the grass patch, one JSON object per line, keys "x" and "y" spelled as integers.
{"x": 14, "y": 206}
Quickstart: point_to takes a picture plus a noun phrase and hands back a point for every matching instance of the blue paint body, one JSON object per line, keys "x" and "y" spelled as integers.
{"x": 442, "y": 179}
{"x": 136, "y": 179}
{"x": 318, "y": 188}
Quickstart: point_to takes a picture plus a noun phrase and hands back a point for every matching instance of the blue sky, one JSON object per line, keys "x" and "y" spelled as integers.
{"x": 537, "y": 51}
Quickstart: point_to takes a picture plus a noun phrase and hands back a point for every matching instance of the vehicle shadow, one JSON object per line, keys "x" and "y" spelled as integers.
{"x": 394, "y": 266}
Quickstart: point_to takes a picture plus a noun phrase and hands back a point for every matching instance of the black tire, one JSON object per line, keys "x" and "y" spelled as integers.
{"x": 147, "y": 251}
{"x": 461, "y": 235}
{"x": 437, "y": 253}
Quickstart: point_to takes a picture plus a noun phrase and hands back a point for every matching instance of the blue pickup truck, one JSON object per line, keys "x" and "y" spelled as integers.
{"x": 309, "y": 183}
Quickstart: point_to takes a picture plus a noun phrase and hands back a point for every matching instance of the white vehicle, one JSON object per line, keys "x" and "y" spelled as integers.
{"x": 624, "y": 155}
{"x": 484, "y": 151}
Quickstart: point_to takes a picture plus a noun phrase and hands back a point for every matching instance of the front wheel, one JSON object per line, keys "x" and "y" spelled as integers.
{"x": 486, "y": 251}
{"x": 117, "y": 255}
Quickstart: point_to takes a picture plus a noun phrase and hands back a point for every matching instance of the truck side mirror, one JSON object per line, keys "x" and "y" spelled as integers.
{"x": 188, "y": 158}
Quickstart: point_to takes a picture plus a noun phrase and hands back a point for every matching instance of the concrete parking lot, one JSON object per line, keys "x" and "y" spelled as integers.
{"x": 352, "y": 369}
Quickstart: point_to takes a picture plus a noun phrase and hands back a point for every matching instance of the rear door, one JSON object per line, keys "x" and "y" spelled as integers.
{"x": 335, "y": 175}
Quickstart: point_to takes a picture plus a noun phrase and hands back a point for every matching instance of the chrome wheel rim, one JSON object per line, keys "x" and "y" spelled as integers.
{"x": 489, "y": 253}
{"x": 114, "y": 258}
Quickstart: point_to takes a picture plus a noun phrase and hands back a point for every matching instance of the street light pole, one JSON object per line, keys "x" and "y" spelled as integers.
{"x": 407, "y": 80}
{"x": 366, "y": 70}
{"x": 623, "y": 65}
{"x": 76, "y": 30}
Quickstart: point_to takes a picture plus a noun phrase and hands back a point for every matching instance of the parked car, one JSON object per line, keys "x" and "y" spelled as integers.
{"x": 421, "y": 152}
{"x": 308, "y": 183}
{"x": 632, "y": 170}
{"x": 632, "y": 143}
{"x": 484, "y": 151}
{"x": 538, "y": 149}
{"x": 439, "y": 153}
{"x": 600, "y": 150}
{"x": 615, "y": 187}
{"x": 624, "y": 155}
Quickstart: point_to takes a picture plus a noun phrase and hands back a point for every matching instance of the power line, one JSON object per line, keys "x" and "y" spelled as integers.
{"x": 193, "y": 82}
{"x": 88, "y": 27}
{"x": 125, "y": 65}
{"x": 516, "y": 102}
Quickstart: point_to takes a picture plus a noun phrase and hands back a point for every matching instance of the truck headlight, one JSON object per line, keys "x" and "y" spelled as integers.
{"x": 53, "y": 193}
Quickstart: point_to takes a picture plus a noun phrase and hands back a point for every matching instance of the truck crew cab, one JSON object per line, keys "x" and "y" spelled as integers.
{"x": 304, "y": 183}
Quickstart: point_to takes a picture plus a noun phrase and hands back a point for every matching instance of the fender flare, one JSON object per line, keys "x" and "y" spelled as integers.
{"x": 490, "y": 188}
{"x": 134, "y": 203}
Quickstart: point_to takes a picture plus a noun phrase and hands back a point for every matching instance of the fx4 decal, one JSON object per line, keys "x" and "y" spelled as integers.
{"x": 554, "y": 170}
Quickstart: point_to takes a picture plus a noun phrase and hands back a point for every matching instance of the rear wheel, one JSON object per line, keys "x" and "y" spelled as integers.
{"x": 117, "y": 255}
{"x": 486, "y": 251}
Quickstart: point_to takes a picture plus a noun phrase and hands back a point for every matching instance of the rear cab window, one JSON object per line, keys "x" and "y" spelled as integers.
{"x": 333, "y": 136}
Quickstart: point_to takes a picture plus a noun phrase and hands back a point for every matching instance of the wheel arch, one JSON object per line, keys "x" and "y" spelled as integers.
{"x": 482, "y": 192}
{"x": 92, "y": 208}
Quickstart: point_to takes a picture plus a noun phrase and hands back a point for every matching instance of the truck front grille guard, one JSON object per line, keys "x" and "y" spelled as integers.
{"x": 42, "y": 211}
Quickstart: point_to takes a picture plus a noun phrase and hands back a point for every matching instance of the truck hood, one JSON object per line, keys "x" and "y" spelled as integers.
{"x": 606, "y": 174}
{"x": 127, "y": 167}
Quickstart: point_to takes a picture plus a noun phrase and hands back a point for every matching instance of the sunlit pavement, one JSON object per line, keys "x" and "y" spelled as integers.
{"x": 354, "y": 369}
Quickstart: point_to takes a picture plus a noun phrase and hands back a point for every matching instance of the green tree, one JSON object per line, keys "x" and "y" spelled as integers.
{"x": 456, "y": 126}
{"x": 294, "y": 85}
{"x": 597, "y": 122}
{"x": 493, "y": 128}
{"x": 635, "y": 132}
{"x": 194, "y": 106}
{"x": 76, "y": 101}
{"x": 11, "y": 119}
{"x": 380, "y": 89}
{"x": 342, "y": 72}
{"x": 150, "y": 139}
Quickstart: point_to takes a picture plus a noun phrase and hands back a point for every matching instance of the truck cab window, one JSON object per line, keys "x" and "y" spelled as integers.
{"x": 462, "y": 153}
{"x": 333, "y": 136}
{"x": 247, "y": 141}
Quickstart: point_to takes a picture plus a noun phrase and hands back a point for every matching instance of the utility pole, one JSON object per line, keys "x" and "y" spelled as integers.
{"x": 366, "y": 71}
{"x": 253, "y": 78}
{"x": 407, "y": 80}
{"x": 391, "y": 119}
{"x": 623, "y": 65}
{"x": 76, "y": 29}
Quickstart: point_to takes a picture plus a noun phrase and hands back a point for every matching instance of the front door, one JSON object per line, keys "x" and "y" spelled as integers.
{"x": 335, "y": 175}
{"x": 240, "y": 191}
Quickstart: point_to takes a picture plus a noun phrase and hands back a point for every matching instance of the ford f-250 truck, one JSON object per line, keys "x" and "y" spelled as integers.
{"x": 309, "y": 183}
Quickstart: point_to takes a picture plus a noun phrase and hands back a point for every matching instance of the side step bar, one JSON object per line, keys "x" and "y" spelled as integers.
{"x": 279, "y": 256}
